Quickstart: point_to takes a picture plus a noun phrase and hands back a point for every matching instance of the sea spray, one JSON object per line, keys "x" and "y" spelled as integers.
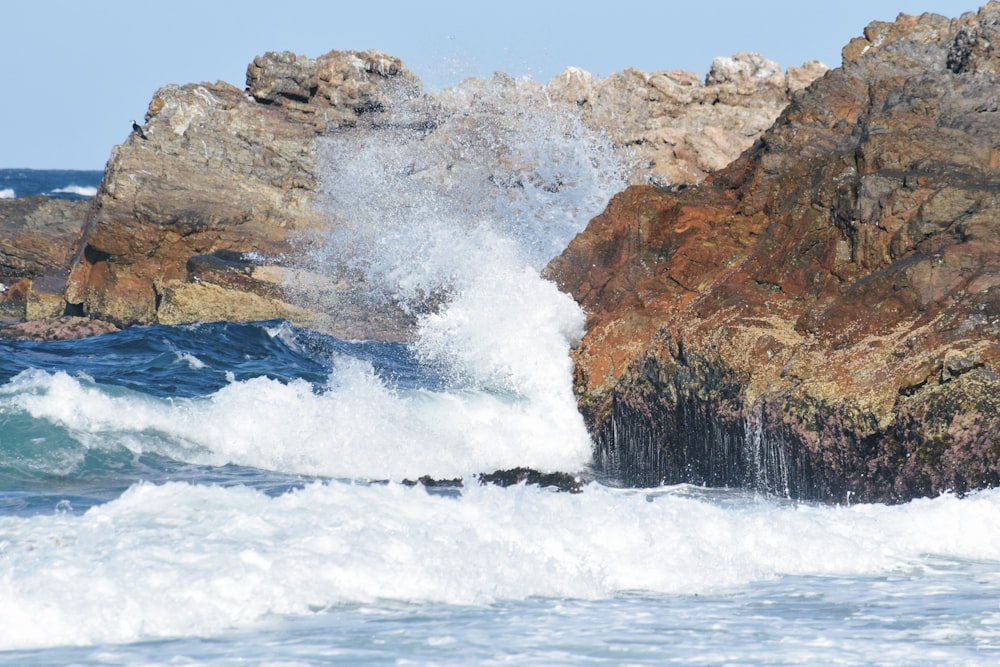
{"x": 358, "y": 426}
{"x": 448, "y": 208}
{"x": 450, "y": 188}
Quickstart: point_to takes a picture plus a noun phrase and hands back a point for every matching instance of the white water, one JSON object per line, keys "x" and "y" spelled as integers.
{"x": 358, "y": 427}
{"x": 466, "y": 216}
{"x": 369, "y": 574}
{"x": 7, "y": 193}
{"x": 179, "y": 560}
{"x": 82, "y": 190}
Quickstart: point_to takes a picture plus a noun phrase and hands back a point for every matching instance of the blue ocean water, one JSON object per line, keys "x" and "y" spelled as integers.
{"x": 71, "y": 184}
{"x": 229, "y": 494}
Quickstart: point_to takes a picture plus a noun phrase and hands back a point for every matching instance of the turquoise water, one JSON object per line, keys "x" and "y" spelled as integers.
{"x": 127, "y": 539}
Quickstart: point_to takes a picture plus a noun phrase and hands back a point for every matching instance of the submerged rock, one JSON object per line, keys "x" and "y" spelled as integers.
{"x": 821, "y": 318}
{"x": 558, "y": 481}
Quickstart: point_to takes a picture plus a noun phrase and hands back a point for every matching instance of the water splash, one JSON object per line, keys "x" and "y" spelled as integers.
{"x": 448, "y": 207}
{"x": 451, "y": 187}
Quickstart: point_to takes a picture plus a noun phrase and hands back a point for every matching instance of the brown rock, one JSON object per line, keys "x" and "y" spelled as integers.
{"x": 220, "y": 170}
{"x": 822, "y": 317}
{"x": 59, "y": 328}
{"x": 332, "y": 90}
{"x": 37, "y": 237}
{"x": 673, "y": 127}
{"x": 219, "y": 175}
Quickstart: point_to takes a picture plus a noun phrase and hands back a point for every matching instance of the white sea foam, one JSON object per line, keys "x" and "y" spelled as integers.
{"x": 193, "y": 362}
{"x": 81, "y": 190}
{"x": 177, "y": 559}
{"x": 7, "y": 193}
{"x": 466, "y": 216}
{"x": 356, "y": 427}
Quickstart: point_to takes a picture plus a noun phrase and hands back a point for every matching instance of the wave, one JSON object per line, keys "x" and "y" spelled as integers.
{"x": 453, "y": 219}
{"x": 180, "y": 559}
{"x": 49, "y": 182}
{"x": 355, "y": 426}
{"x": 80, "y": 190}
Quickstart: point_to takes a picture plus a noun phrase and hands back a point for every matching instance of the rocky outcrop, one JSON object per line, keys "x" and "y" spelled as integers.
{"x": 675, "y": 127}
{"x": 196, "y": 216}
{"x": 822, "y": 317}
{"x": 37, "y": 236}
{"x": 205, "y": 214}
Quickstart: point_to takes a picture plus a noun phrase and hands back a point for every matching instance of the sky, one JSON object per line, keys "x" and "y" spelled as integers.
{"x": 75, "y": 72}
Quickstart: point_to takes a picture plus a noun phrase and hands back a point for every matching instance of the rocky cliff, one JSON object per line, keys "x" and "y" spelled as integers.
{"x": 822, "y": 317}
{"x": 204, "y": 213}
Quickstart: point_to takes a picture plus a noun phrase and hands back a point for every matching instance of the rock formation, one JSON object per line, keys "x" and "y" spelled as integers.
{"x": 195, "y": 217}
{"x": 37, "y": 235}
{"x": 822, "y": 317}
{"x": 203, "y": 215}
{"x": 676, "y": 128}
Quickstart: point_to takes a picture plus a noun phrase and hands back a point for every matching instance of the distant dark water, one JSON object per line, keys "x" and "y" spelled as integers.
{"x": 56, "y": 183}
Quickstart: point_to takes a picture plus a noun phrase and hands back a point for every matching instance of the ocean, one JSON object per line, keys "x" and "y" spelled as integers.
{"x": 234, "y": 494}
{"x": 56, "y": 183}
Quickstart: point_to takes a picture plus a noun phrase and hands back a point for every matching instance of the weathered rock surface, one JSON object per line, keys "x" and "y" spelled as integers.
{"x": 37, "y": 238}
{"x": 822, "y": 317}
{"x": 216, "y": 191}
{"x": 66, "y": 327}
{"x": 677, "y": 128}
{"x": 205, "y": 216}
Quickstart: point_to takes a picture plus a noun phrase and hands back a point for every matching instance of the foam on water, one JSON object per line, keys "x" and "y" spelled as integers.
{"x": 182, "y": 560}
{"x": 81, "y": 190}
{"x": 7, "y": 193}
{"x": 356, "y": 427}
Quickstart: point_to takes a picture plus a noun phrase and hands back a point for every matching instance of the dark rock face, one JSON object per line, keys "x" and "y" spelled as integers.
{"x": 822, "y": 317}
{"x": 557, "y": 481}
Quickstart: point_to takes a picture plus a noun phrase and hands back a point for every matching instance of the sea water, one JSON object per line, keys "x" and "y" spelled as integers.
{"x": 232, "y": 494}
{"x": 71, "y": 184}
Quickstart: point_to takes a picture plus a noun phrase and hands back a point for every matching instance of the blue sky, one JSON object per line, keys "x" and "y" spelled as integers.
{"x": 75, "y": 73}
